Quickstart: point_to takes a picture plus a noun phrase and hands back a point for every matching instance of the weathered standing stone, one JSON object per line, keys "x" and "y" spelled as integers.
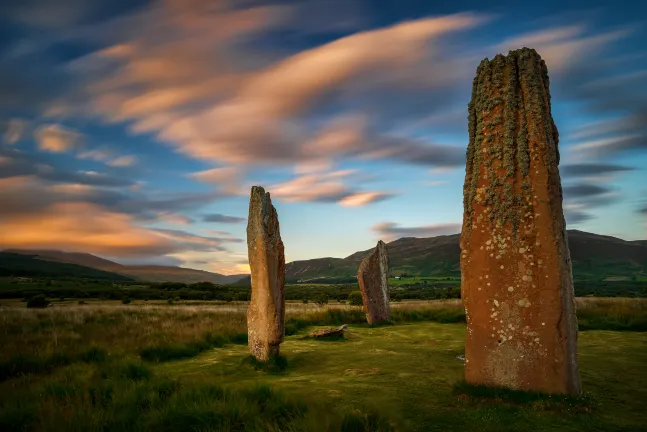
{"x": 266, "y": 312}
{"x": 373, "y": 278}
{"x": 516, "y": 280}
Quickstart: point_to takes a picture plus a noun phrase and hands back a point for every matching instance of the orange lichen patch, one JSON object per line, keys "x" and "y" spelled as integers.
{"x": 516, "y": 275}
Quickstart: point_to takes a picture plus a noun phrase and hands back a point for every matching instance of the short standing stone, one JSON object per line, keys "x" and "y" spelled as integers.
{"x": 373, "y": 279}
{"x": 517, "y": 285}
{"x": 266, "y": 312}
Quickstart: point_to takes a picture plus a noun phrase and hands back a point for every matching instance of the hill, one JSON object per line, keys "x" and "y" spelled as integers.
{"x": 14, "y": 264}
{"x": 594, "y": 257}
{"x": 148, "y": 273}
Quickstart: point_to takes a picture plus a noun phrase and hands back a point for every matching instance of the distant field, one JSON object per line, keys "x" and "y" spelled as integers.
{"x": 446, "y": 280}
{"x": 153, "y": 366}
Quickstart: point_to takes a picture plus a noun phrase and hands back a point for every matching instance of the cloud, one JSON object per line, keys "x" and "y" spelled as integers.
{"x": 360, "y": 199}
{"x": 221, "y": 218}
{"x": 326, "y": 187}
{"x": 195, "y": 242}
{"x": 581, "y": 198}
{"x": 182, "y": 81}
{"x": 18, "y": 163}
{"x": 227, "y": 178}
{"x": 14, "y": 129}
{"x": 584, "y": 190}
{"x": 592, "y": 169}
{"x": 99, "y": 155}
{"x": 391, "y": 230}
{"x": 174, "y": 218}
{"x": 56, "y": 139}
{"x": 82, "y": 227}
{"x": 83, "y": 218}
{"x": 123, "y": 161}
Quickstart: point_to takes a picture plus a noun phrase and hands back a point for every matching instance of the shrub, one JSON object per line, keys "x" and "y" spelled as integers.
{"x": 39, "y": 301}
{"x": 355, "y": 298}
{"x": 322, "y": 300}
{"x": 305, "y": 300}
{"x": 126, "y": 300}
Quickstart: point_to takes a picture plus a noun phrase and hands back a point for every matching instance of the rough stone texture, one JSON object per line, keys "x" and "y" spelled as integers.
{"x": 516, "y": 279}
{"x": 373, "y": 278}
{"x": 266, "y": 312}
{"x": 329, "y": 332}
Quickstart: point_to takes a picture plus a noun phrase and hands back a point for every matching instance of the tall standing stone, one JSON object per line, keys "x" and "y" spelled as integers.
{"x": 516, "y": 280}
{"x": 373, "y": 279}
{"x": 266, "y": 312}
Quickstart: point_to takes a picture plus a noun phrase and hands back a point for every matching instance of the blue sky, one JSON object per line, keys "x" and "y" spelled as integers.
{"x": 134, "y": 130}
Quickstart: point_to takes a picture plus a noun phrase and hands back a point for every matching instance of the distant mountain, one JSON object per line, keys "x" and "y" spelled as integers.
{"x": 146, "y": 273}
{"x": 20, "y": 264}
{"x": 593, "y": 256}
{"x": 78, "y": 258}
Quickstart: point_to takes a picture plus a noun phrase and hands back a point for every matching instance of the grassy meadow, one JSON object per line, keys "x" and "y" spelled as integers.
{"x": 155, "y": 366}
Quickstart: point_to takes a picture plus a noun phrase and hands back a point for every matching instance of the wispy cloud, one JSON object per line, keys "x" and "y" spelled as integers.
{"x": 392, "y": 231}
{"x": 326, "y": 187}
{"x": 123, "y": 161}
{"x": 14, "y": 129}
{"x": 221, "y": 218}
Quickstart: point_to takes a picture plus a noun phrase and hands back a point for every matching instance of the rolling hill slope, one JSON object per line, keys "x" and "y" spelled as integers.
{"x": 593, "y": 256}
{"x": 148, "y": 273}
{"x": 13, "y": 264}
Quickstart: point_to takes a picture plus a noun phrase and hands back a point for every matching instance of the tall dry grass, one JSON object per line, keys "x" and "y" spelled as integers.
{"x": 65, "y": 332}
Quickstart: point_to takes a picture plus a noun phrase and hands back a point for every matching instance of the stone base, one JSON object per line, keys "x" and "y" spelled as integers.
{"x": 263, "y": 351}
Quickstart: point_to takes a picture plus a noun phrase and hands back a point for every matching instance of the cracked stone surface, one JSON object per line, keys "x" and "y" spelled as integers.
{"x": 373, "y": 279}
{"x": 516, "y": 279}
{"x": 266, "y": 312}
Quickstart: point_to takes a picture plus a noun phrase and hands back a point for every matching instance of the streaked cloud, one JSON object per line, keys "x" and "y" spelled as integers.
{"x": 221, "y": 218}
{"x": 326, "y": 187}
{"x": 392, "y": 231}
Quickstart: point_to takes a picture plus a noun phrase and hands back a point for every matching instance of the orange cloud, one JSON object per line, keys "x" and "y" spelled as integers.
{"x": 56, "y": 139}
{"x": 253, "y": 124}
{"x": 82, "y": 227}
{"x": 325, "y": 187}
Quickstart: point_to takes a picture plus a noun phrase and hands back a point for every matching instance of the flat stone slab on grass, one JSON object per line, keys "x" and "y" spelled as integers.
{"x": 329, "y": 332}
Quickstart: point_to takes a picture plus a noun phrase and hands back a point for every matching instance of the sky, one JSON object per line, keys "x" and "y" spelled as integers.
{"x": 134, "y": 130}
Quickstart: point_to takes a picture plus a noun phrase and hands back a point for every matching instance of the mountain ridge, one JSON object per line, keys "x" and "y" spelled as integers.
{"x": 148, "y": 273}
{"x": 592, "y": 255}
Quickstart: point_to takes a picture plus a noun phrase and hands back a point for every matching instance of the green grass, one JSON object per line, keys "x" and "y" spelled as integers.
{"x": 84, "y": 369}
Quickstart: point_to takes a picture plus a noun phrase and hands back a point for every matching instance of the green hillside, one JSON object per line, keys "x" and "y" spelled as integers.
{"x": 594, "y": 257}
{"x": 16, "y": 265}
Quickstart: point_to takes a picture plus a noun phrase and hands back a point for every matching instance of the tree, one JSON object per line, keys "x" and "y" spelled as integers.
{"x": 355, "y": 298}
{"x": 39, "y": 301}
{"x": 322, "y": 300}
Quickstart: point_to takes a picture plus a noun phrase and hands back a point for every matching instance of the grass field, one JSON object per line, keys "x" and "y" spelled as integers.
{"x": 86, "y": 368}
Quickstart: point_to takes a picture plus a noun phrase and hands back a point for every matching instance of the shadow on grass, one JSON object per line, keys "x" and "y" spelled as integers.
{"x": 528, "y": 399}
{"x": 178, "y": 351}
{"x": 275, "y": 365}
{"x": 324, "y": 338}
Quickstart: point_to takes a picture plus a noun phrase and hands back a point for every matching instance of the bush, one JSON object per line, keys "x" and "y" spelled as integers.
{"x": 355, "y": 298}
{"x": 322, "y": 300}
{"x": 305, "y": 300}
{"x": 126, "y": 300}
{"x": 39, "y": 301}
